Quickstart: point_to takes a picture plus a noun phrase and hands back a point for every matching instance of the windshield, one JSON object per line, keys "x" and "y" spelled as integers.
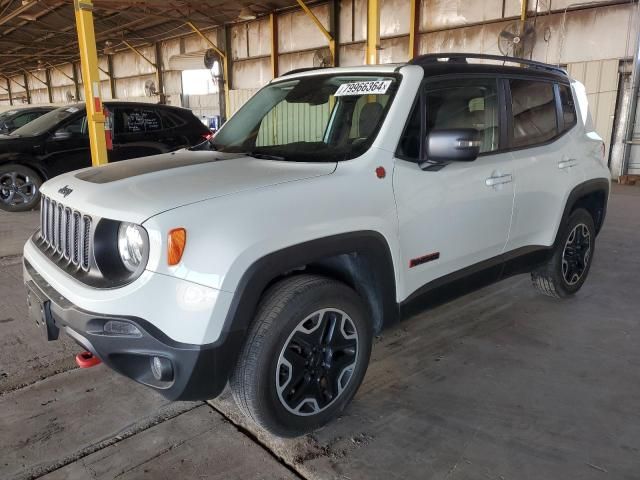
{"x": 46, "y": 122}
{"x": 324, "y": 118}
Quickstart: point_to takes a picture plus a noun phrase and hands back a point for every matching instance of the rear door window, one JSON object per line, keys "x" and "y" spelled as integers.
{"x": 129, "y": 120}
{"x": 533, "y": 108}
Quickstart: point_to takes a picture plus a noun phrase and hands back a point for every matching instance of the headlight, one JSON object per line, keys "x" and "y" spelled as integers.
{"x": 131, "y": 245}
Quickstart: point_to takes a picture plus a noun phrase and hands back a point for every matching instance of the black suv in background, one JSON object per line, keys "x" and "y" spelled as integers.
{"x": 19, "y": 117}
{"x": 58, "y": 142}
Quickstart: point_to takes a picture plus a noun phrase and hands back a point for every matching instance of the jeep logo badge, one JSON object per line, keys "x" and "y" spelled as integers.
{"x": 65, "y": 191}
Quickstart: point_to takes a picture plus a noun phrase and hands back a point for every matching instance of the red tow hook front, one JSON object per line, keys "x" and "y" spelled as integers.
{"x": 87, "y": 360}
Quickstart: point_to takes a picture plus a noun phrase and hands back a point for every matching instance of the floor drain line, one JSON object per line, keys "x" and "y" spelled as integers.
{"x": 39, "y": 471}
{"x": 251, "y": 436}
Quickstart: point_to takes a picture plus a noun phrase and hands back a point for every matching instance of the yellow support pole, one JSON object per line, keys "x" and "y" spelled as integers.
{"x": 225, "y": 67}
{"x": 414, "y": 28}
{"x": 91, "y": 80}
{"x": 373, "y": 31}
{"x": 325, "y": 32}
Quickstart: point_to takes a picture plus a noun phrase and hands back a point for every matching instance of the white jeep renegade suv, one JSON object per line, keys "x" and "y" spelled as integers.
{"x": 333, "y": 203}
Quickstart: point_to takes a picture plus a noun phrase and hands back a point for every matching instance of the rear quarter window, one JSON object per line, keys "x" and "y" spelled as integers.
{"x": 569, "y": 116}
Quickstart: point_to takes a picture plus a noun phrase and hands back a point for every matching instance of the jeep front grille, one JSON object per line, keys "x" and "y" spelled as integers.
{"x": 65, "y": 233}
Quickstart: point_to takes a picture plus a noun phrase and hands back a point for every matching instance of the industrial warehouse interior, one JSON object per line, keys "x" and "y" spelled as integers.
{"x": 343, "y": 239}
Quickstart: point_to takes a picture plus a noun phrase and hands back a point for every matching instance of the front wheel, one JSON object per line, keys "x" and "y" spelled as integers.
{"x": 567, "y": 270}
{"x": 19, "y": 188}
{"x": 305, "y": 356}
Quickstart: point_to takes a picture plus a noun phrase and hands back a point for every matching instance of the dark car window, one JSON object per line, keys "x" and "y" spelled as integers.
{"x": 172, "y": 120}
{"x": 569, "y": 117}
{"x": 534, "y": 112}
{"x": 136, "y": 120}
{"x": 409, "y": 145}
{"x": 469, "y": 104}
{"x": 47, "y": 122}
{"x": 77, "y": 127}
{"x": 21, "y": 120}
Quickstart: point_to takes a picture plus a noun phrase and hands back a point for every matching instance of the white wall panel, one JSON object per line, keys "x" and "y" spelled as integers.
{"x": 439, "y": 14}
{"x": 291, "y": 61}
{"x": 259, "y": 33}
{"x": 251, "y": 73}
{"x": 58, "y": 79}
{"x": 296, "y": 31}
{"x": 394, "y": 50}
{"x": 195, "y": 43}
{"x": 128, "y": 63}
{"x": 394, "y": 17}
{"x": 352, "y": 55}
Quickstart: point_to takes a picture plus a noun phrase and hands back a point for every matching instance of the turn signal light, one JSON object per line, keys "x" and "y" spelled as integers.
{"x": 175, "y": 245}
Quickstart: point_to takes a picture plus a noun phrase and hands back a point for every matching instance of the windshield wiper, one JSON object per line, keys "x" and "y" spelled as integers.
{"x": 264, "y": 156}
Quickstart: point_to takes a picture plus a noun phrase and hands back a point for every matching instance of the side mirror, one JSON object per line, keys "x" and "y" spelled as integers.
{"x": 62, "y": 135}
{"x": 453, "y": 145}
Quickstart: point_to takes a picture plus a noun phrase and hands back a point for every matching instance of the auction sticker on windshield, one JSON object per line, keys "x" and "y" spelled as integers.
{"x": 373, "y": 87}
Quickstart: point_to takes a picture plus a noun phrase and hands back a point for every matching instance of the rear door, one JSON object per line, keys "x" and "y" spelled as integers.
{"x": 137, "y": 132}
{"x": 545, "y": 168}
{"x": 459, "y": 215}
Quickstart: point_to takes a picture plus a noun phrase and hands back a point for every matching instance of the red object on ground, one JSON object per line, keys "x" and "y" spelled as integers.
{"x": 381, "y": 172}
{"x": 87, "y": 359}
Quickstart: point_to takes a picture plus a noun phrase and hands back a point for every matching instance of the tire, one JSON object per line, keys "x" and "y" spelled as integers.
{"x": 19, "y": 188}
{"x": 273, "y": 382}
{"x": 569, "y": 266}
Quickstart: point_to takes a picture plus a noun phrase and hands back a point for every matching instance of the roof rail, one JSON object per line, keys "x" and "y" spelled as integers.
{"x": 301, "y": 70}
{"x": 463, "y": 57}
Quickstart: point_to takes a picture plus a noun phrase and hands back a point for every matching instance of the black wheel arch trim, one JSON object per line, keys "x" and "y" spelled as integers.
{"x": 595, "y": 185}
{"x": 378, "y": 289}
{"x": 27, "y": 162}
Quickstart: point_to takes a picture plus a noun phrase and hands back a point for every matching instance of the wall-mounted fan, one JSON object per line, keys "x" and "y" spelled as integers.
{"x": 210, "y": 58}
{"x": 517, "y": 39}
{"x": 322, "y": 58}
{"x": 150, "y": 88}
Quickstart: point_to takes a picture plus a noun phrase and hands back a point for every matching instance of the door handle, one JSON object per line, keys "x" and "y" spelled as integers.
{"x": 498, "y": 180}
{"x": 567, "y": 163}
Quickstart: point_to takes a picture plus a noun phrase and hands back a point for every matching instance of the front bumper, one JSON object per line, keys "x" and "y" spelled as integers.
{"x": 199, "y": 371}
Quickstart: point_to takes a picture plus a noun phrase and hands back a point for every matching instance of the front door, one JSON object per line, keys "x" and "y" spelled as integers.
{"x": 459, "y": 215}
{"x": 67, "y": 148}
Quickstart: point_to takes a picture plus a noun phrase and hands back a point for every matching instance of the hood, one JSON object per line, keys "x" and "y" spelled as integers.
{"x": 134, "y": 190}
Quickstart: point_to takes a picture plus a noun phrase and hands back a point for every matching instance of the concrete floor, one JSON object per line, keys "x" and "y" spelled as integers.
{"x": 500, "y": 384}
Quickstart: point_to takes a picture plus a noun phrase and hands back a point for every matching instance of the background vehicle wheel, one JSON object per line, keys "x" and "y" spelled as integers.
{"x": 567, "y": 270}
{"x": 19, "y": 188}
{"x": 305, "y": 355}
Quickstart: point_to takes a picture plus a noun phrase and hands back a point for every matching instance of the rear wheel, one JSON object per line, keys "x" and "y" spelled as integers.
{"x": 305, "y": 356}
{"x": 567, "y": 270}
{"x": 19, "y": 188}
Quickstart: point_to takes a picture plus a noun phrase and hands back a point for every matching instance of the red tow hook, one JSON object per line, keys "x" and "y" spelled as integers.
{"x": 87, "y": 360}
